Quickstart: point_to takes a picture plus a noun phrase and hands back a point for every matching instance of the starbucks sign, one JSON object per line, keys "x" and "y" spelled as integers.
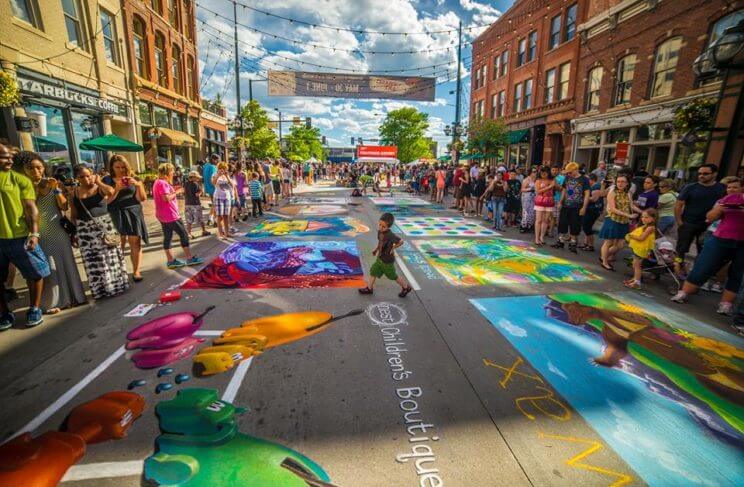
{"x": 69, "y": 95}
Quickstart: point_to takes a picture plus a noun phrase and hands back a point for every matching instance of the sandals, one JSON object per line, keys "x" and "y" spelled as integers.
{"x": 608, "y": 267}
{"x": 366, "y": 290}
{"x": 404, "y": 292}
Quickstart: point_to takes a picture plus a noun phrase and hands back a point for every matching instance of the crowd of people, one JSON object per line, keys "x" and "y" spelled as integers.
{"x": 621, "y": 208}
{"x": 46, "y": 218}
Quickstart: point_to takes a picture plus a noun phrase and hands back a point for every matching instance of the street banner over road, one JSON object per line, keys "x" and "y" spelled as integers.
{"x": 294, "y": 83}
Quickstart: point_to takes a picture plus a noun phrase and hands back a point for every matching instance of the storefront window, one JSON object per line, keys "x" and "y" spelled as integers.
{"x": 177, "y": 121}
{"x": 145, "y": 114}
{"x": 513, "y": 154}
{"x": 659, "y": 131}
{"x": 619, "y": 135}
{"x": 86, "y": 127}
{"x": 50, "y": 139}
{"x": 194, "y": 126}
{"x": 687, "y": 156}
{"x": 161, "y": 117}
{"x": 590, "y": 139}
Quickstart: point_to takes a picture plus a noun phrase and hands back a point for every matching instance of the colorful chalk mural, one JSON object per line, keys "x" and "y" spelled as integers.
{"x": 42, "y": 461}
{"x": 285, "y": 264}
{"x": 664, "y": 390}
{"x": 200, "y": 445}
{"x": 312, "y": 210}
{"x": 318, "y": 200}
{"x": 441, "y": 226}
{"x": 255, "y": 336}
{"x": 399, "y": 201}
{"x": 316, "y": 227}
{"x": 467, "y": 262}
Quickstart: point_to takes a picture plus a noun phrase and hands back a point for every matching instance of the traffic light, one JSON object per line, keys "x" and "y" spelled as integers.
{"x": 296, "y": 120}
{"x": 308, "y": 122}
{"x": 323, "y": 140}
{"x": 353, "y": 140}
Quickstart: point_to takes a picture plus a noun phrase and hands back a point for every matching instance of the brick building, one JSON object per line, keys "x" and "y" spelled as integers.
{"x": 213, "y": 128}
{"x": 634, "y": 69}
{"x": 162, "y": 52}
{"x": 524, "y": 71}
{"x": 67, "y": 60}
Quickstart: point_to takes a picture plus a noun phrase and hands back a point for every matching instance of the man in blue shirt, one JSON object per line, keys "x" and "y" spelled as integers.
{"x": 207, "y": 172}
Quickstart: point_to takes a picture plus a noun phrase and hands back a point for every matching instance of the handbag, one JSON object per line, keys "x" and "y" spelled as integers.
{"x": 110, "y": 238}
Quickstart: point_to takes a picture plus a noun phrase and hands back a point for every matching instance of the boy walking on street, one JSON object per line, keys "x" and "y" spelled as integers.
{"x": 192, "y": 192}
{"x": 256, "y": 189}
{"x": 384, "y": 265}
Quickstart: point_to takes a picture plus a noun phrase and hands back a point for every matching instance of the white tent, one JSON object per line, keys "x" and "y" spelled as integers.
{"x": 385, "y": 160}
{"x": 312, "y": 160}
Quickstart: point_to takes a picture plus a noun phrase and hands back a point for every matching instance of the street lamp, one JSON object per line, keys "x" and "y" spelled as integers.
{"x": 724, "y": 56}
{"x": 456, "y": 130}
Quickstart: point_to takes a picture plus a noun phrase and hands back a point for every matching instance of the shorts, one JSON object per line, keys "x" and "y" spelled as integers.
{"x": 32, "y": 264}
{"x": 268, "y": 189}
{"x": 193, "y": 214}
{"x": 380, "y": 268}
{"x": 276, "y": 185}
{"x": 222, "y": 207}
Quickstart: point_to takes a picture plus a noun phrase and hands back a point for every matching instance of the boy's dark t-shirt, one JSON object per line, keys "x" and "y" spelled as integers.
{"x": 190, "y": 190}
{"x": 385, "y": 242}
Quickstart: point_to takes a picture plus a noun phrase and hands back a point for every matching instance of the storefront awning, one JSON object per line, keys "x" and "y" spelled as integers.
{"x": 176, "y": 138}
{"x": 111, "y": 142}
{"x": 519, "y": 136}
{"x": 386, "y": 160}
{"x": 445, "y": 158}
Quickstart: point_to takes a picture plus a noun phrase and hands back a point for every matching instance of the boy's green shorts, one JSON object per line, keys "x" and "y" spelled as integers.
{"x": 380, "y": 268}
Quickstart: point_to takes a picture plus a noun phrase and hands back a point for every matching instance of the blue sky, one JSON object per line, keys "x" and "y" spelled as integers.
{"x": 340, "y": 119}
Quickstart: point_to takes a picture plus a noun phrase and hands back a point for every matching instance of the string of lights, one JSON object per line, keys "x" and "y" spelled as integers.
{"x": 226, "y": 45}
{"x": 351, "y": 29}
{"x": 320, "y": 46}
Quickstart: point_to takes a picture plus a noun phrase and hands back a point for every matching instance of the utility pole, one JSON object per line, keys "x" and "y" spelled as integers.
{"x": 250, "y": 90}
{"x": 458, "y": 90}
{"x": 237, "y": 69}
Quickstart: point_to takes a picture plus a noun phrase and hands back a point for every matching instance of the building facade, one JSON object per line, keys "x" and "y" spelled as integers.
{"x": 68, "y": 59}
{"x": 213, "y": 130}
{"x": 524, "y": 72}
{"x": 634, "y": 70}
{"x": 161, "y": 40}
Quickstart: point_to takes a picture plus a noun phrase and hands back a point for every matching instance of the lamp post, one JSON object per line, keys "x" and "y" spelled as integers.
{"x": 456, "y": 130}
{"x": 725, "y": 56}
{"x": 280, "y": 128}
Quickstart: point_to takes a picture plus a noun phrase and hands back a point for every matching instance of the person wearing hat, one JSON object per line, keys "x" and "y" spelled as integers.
{"x": 193, "y": 209}
{"x": 574, "y": 201}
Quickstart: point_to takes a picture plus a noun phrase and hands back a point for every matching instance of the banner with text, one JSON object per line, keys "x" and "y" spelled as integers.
{"x": 294, "y": 83}
{"x": 383, "y": 151}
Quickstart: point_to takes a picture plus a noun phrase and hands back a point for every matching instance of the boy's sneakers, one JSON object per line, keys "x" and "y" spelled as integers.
{"x": 34, "y": 317}
{"x": 404, "y": 292}
{"x": 7, "y": 321}
{"x": 680, "y": 297}
{"x": 725, "y": 308}
{"x": 194, "y": 261}
{"x": 175, "y": 263}
{"x": 366, "y": 290}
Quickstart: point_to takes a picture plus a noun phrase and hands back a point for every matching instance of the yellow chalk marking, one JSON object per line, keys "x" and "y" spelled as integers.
{"x": 547, "y": 397}
{"x": 594, "y": 446}
{"x": 511, "y": 371}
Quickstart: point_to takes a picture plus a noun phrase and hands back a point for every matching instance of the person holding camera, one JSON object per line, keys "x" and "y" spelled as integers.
{"x": 98, "y": 240}
{"x": 62, "y": 287}
{"x": 125, "y": 209}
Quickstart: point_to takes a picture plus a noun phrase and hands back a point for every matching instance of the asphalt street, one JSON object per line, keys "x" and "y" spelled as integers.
{"x": 422, "y": 390}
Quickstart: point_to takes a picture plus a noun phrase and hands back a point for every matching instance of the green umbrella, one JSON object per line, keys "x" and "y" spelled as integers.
{"x": 112, "y": 143}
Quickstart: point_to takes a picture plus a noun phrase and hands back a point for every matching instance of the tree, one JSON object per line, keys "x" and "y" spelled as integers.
{"x": 405, "y": 128}
{"x": 259, "y": 139}
{"x": 486, "y": 136}
{"x": 303, "y": 143}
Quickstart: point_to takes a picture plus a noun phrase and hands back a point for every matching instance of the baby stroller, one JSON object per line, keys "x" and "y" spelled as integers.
{"x": 661, "y": 261}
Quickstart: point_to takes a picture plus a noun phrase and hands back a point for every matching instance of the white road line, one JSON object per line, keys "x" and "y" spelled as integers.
{"x": 209, "y": 333}
{"x": 411, "y": 280}
{"x": 237, "y": 380}
{"x": 72, "y": 392}
{"x": 104, "y": 470}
